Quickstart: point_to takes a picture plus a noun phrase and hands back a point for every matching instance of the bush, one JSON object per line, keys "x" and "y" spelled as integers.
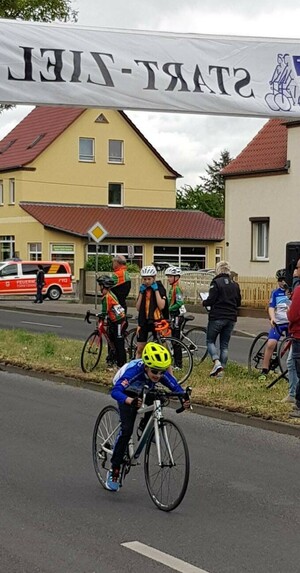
{"x": 104, "y": 263}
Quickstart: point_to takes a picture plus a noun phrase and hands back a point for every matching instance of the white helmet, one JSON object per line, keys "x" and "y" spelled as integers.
{"x": 173, "y": 271}
{"x": 149, "y": 271}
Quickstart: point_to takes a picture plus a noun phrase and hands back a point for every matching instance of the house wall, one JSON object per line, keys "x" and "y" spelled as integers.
{"x": 60, "y": 176}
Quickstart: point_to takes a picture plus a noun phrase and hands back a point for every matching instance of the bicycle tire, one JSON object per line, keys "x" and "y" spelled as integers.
{"x": 181, "y": 373}
{"x": 105, "y": 432}
{"x": 167, "y": 484}
{"x": 283, "y": 352}
{"x": 197, "y": 343}
{"x": 256, "y": 352}
{"x": 91, "y": 352}
{"x": 130, "y": 343}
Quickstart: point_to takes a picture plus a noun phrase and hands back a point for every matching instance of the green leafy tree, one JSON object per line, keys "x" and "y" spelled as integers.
{"x": 209, "y": 196}
{"x": 37, "y": 11}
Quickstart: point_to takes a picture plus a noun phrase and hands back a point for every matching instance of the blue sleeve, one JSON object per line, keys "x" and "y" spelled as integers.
{"x": 170, "y": 382}
{"x": 131, "y": 374}
{"x": 272, "y": 303}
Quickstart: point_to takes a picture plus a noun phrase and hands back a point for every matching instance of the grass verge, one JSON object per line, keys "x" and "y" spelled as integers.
{"x": 236, "y": 392}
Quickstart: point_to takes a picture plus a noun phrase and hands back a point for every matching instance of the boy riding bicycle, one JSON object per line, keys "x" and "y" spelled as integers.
{"x": 278, "y": 307}
{"x": 116, "y": 321}
{"x": 128, "y": 386}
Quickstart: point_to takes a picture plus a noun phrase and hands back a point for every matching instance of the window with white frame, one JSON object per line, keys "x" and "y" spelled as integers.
{"x": 218, "y": 255}
{"x": 115, "y": 151}
{"x": 63, "y": 252}
{"x": 114, "y": 250}
{"x": 7, "y": 247}
{"x": 12, "y": 191}
{"x": 1, "y": 192}
{"x": 260, "y": 238}
{"x": 35, "y": 251}
{"x": 115, "y": 194}
{"x": 193, "y": 258}
{"x": 86, "y": 149}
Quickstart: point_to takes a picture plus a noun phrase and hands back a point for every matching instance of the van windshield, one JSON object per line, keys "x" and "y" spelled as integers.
{"x": 9, "y": 270}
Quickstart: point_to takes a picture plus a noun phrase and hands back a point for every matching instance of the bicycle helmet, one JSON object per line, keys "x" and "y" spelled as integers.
{"x": 105, "y": 281}
{"x": 149, "y": 271}
{"x": 173, "y": 271}
{"x": 156, "y": 356}
{"x": 281, "y": 275}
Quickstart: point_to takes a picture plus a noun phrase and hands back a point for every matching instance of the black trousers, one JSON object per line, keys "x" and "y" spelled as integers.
{"x": 177, "y": 322}
{"x": 127, "y": 416}
{"x": 116, "y": 334}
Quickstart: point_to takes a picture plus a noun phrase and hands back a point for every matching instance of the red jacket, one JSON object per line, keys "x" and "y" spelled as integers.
{"x": 294, "y": 314}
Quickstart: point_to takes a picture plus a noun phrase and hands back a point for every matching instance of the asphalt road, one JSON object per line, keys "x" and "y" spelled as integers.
{"x": 75, "y": 327}
{"x": 240, "y": 514}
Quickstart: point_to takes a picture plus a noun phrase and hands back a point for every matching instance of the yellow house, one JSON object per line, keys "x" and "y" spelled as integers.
{"x": 64, "y": 169}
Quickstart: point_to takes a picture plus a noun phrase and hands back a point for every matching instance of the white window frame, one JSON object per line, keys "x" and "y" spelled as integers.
{"x": 121, "y": 194}
{"x": 218, "y": 255}
{"x": 112, "y": 157}
{"x": 1, "y": 192}
{"x": 90, "y": 158}
{"x": 260, "y": 239}
{"x": 7, "y": 247}
{"x": 12, "y": 191}
{"x": 34, "y": 251}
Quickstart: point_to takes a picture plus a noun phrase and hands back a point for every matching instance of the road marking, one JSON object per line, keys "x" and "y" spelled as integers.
{"x": 161, "y": 557}
{"x": 41, "y": 324}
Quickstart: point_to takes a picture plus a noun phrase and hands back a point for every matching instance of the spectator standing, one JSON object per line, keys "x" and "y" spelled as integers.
{"x": 222, "y": 303}
{"x": 151, "y": 305}
{"x": 40, "y": 283}
{"x": 294, "y": 329}
{"x": 122, "y": 280}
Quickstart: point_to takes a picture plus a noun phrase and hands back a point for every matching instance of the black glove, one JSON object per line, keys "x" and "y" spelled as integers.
{"x": 135, "y": 403}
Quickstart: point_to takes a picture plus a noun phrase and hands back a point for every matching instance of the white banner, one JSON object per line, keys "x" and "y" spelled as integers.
{"x": 65, "y": 64}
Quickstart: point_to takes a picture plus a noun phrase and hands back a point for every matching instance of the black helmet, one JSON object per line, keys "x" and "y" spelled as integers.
{"x": 281, "y": 275}
{"x": 105, "y": 281}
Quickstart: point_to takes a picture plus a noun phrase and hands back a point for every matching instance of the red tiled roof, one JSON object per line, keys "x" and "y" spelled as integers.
{"x": 125, "y": 223}
{"x": 266, "y": 152}
{"x": 50, "y": 121}
{"x": 17, "y": 149}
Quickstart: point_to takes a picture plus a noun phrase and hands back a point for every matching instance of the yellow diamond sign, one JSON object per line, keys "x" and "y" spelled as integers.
{"x": 97, "y": 232}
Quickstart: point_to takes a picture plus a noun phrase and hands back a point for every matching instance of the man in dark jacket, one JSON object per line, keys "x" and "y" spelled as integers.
{"x": 222, "y": 303}
{"x": 40, "y": 283}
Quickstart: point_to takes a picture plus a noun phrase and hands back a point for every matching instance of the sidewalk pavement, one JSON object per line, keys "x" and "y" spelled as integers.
{"x": 245, "y": 326}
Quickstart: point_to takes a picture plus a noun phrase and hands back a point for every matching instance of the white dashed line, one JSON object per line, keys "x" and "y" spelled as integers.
{"x": 161, "y": 557}
{"x": 41, "y": 324}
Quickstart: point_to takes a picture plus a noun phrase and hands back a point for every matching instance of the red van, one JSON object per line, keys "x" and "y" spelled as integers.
{"x": 19, "y": 277}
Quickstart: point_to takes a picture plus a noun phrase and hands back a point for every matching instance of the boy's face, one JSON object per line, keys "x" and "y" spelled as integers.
{"x": 171, "y": 279}
{"x": 154, "y": 374}
{"x": 103, "y": 290}
{"x": 148, "y": 281}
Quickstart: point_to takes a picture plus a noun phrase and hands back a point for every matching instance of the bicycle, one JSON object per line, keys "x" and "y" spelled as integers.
{"x": 166, "y": 460}
{"x": 92, "y": 348}
{"x": 278, "y": 358}
{"x": 163, "y": 336}
{"x": 194, "y": 338}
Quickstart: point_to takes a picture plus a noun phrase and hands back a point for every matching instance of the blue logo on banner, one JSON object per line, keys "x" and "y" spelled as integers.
{"x": 284, "y": 90}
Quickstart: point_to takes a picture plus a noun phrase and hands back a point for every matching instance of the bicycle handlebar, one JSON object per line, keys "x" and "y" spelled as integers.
{"x": 89, "y": 314}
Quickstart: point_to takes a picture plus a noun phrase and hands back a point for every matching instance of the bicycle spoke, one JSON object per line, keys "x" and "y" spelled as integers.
{"x": 105, "y": 433}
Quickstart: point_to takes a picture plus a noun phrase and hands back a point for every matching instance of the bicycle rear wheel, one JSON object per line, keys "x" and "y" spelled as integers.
{"x": 283, "y": 352}
{"x": 105, "y": 433}
{"x": 167, "y": 483}
{"x": 91, "y": 352}
{"x": 130, "y": 343}
{"x": 177, "y": 349}
{"x": 195, "y": 340}
{"x": 256, "y": 352}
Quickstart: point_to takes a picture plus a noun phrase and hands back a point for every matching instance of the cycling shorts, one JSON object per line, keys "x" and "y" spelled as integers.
{"x": 143, "y": 331}
{"x": 275, "y": 333}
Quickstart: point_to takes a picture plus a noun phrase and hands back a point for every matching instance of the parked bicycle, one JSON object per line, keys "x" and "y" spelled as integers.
{"x": 278, "y": 358}
{"x": 163, "y": 336}
{"x": 194, "y": 338}
{"x": 166, "y": 461}
{"x": 92, "y": 348}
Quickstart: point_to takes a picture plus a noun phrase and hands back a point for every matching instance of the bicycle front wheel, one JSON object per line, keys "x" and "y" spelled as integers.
{"x": 283, "y": 352}
{"x": 91, "y": 352}
{"x": 182, "y": 359}
{"x": 130, "y": 343}
{"x": 195, "y": 340}
{"x": 105, "y": 433}
{"x": 256, "y": 352}
{"x": 167, "y": 483}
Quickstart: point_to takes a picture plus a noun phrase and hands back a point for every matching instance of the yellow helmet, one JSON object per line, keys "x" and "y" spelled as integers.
{"x": 156, "y": 356}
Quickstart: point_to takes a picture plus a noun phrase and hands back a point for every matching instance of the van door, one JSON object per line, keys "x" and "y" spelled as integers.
{"x": 9, "y": 279}
{"x": 27, "y": 283}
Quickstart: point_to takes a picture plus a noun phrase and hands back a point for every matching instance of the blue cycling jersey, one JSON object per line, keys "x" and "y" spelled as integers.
{"x": 132, "y": 376}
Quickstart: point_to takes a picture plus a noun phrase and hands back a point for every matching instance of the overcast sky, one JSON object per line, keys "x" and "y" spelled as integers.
{"x": 188, "y": 142}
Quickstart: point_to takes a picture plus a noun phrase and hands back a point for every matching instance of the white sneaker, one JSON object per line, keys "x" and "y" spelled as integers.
{"x": 216, "y": 369}
{"x": 220, "y": 374}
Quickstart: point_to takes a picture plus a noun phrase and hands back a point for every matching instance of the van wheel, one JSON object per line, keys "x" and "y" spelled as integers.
{"x": 54, "y": 293}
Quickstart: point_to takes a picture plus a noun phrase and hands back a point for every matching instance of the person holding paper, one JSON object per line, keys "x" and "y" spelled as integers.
{"x": 222, "y": 303}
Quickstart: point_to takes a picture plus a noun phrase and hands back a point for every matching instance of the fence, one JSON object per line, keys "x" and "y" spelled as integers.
{"x": 255, "y": 291}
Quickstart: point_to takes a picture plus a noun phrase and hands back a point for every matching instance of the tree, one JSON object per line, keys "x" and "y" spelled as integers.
{"x": 208, "y": 197}
{"x": 38, "y": 11}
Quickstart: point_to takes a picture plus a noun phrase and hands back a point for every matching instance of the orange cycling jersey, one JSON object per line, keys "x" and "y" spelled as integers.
{"x": 112, "y": 307}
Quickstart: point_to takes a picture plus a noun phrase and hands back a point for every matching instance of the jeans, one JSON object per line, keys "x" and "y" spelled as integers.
{"x": 292, "y": 373}
{"x": 296, "y": 358}
{"x": 222, "y": 328}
